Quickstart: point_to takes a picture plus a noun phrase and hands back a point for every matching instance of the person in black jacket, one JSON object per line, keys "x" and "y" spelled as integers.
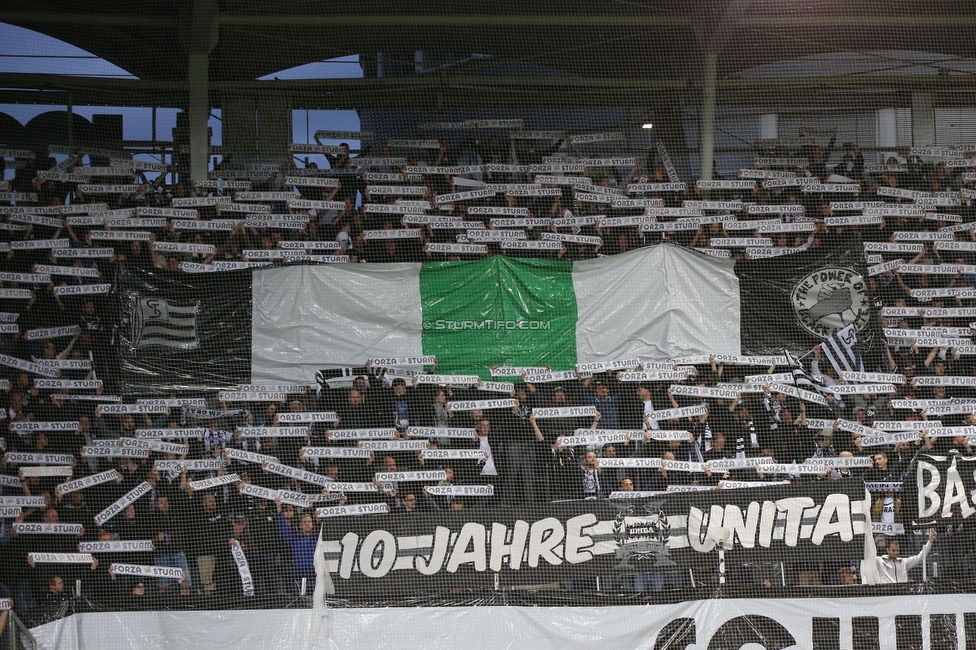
{"x": 521, "y": 449}
{"x": 40, "y": 575}
{"x": 170, "y": 532}
{"x": 128, "y": 526}
{"x": 563, "y": 474}
{"x": 400, "y": 406}
{"x": 818, "y": 160}
{"x": 234, "y": 532}
{"x": 852, "y": 165}
{"x": 208, "y": 525}
{"x": 353, "y": 413}
{"x": 272, "y": 564}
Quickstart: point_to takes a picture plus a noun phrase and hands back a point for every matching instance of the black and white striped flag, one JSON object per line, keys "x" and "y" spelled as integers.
{"x": 188, "y": 413}
{"x": 801, "y": 378}
{"x": 841, "y": 350}
{"x": 339, "y": 377}
{"x": 165, "y": 323}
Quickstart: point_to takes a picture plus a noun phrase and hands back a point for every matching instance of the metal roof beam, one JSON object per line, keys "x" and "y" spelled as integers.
{"x": 407, "y": 92}
{"x": 596, "y": 20}
{"x": 86, "y": 19}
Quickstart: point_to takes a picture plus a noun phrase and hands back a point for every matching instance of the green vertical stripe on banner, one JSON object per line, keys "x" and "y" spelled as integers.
{"x": 498, "y": 311}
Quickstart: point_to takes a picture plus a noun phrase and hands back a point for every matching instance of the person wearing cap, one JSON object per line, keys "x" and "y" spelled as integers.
{"x": 937, "y": 362}
{"x": 399, "y": 406}
{"x": 875, "y": 406}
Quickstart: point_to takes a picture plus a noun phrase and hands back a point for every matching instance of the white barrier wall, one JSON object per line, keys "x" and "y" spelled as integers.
{"x": 887, "y": 623}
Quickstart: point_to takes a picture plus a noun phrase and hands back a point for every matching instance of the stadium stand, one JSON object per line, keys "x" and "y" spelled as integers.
{"x": 181, "y": 477}
{"x": 175, "y": 440}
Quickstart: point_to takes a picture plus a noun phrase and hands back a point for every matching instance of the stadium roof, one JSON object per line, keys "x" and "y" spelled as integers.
{"x": 570, "y": 52}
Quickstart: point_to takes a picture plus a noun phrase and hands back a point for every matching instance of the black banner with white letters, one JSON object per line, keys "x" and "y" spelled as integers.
{"x": 535, "y": 544}
{"x": 939, "y": 490}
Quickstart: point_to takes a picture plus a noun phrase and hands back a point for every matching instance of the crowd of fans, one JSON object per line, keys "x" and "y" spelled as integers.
{"x": 524, "y": 459}
{"x": 583, "y": 197}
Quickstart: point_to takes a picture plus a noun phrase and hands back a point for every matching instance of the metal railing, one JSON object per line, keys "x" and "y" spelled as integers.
{"x": 16, "y": 636}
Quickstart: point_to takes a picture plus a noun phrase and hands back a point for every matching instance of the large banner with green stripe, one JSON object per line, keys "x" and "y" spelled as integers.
{"x": 651, "y": 303}
{"x": 520, "y": 311}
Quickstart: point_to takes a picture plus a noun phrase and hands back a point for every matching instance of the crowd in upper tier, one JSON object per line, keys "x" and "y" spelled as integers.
{"x": 65, "y": 234}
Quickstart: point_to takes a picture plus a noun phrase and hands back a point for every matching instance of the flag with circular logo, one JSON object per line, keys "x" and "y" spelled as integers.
{"x": 797, "y": 301}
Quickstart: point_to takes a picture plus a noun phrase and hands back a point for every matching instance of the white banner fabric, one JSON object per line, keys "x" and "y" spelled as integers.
{"x": 696, "y": 624}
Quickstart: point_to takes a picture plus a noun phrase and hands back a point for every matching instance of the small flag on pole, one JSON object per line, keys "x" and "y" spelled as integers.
{"x": 841, "y": 350}
{"x": 801, "y": 378}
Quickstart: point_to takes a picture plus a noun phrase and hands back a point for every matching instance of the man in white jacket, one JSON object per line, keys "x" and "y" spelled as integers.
{"x": 892, "y": 569}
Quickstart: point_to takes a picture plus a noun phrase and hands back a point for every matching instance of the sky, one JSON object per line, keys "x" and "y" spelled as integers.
{"x": 26, "y": 51}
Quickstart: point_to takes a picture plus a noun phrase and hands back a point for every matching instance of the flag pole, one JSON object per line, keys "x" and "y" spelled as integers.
{"x": 804, "y": 356}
